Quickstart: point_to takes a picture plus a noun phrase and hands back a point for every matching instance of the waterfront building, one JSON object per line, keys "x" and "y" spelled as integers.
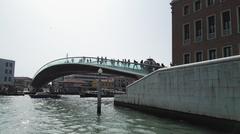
{"x": 57, "y": 85}
{"x": 23, "y": 84}
{"x": 7, "y": 68}
{"x": 105, "y": 84}
{"x": 71, "y": 86}
{"x": 120, "y": 83}
{"x": 68, "y": 84}
{"x": 204, "y": 30}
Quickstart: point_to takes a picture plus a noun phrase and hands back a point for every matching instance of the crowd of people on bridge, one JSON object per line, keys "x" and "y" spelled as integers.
{"x": 127, "y": 63}
{"x": 149, "y": 64}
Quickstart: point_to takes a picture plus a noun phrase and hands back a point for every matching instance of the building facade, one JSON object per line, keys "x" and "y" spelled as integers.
{"x": 204, "y": 30}
{"x": 71, "y": 86}
{"x": 121, "y": 83}
{"x": 7, "y": 69}
{"x": 105, "y": 84}
{"x": 23, "y": 84}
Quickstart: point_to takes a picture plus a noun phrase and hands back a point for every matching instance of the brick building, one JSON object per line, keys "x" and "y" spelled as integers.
{"x": 204, "y": 30}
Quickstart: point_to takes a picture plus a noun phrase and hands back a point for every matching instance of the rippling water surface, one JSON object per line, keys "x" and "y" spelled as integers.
{"x": 72, "y": 114}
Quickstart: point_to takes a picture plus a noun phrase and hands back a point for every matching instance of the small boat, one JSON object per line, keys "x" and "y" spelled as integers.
{"x": 94, "y": 94}
{"x": 12, "y": 94}
{"x": 44, "y": 95}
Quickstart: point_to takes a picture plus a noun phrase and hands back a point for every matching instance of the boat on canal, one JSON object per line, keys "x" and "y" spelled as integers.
{"x": 45, "y": 95}
{"x": 95, "y": 93}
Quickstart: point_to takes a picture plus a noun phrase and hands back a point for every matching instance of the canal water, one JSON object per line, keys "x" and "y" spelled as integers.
{"x": 75, "y": 115}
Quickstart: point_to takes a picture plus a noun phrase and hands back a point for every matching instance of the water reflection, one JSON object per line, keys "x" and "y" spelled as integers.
{"x": 72, "y": 114}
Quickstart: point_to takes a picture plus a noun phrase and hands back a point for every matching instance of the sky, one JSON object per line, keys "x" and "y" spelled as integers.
{"x": 34, "y": 32}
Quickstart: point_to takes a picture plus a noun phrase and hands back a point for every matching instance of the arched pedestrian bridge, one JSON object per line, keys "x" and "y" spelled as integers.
{"x": 82, "y": 65}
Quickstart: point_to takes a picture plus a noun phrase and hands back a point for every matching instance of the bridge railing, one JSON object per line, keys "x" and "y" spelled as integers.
{"x": 141, "y": 69}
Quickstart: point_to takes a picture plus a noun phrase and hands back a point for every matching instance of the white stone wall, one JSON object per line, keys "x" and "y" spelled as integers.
{"x": 209, "y": 88}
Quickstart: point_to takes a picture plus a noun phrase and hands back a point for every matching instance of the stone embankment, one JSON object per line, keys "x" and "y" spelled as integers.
{"x": 210, "y": 89}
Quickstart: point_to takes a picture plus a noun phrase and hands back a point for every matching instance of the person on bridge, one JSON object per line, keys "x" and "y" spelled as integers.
{"x": 129, "y": 62}
{"x": 141, "y": 64}
{"x": 97, "y": 60}
{"x": 113, "y": 62}
{"x": 118, "y": 62}
{"x": 84, "y": 59}
{"x": 158, "y": 66}
{"x": 135, "y": 64}
{"x": 162, "y": 65}
{"x": 105, "y": 60}
{"x": 123, "y": 62}
{"x": 101, "y": 60}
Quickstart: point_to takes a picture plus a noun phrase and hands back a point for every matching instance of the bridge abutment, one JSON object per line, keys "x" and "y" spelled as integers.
{"x": 206, "y": 91}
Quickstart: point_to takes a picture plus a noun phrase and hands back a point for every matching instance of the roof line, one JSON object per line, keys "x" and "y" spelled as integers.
{"x": 173, "y": 1}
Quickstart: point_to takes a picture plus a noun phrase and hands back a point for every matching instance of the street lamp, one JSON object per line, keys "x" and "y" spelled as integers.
{"x": 100, "y": 71}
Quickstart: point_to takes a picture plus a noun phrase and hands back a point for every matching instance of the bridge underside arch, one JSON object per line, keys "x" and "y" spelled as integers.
{"x": 49, "y": 74}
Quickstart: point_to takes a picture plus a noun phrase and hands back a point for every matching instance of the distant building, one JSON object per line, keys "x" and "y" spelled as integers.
{"x": 105, "y": 84}
{"x": 23, "y": 84}
{"x": 204, "y": 30}
{"x": 120, "y": 83}
{"x": 71, "y": 86}
{"x": 57, "y": 85}
{"x": 7, "y": 68}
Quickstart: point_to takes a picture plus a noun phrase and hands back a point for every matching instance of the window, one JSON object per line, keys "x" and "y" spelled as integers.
{"x": 197, "y": 5}
{"x": 5, "y": 79}
{"x": 10, "y": 64}
{"x": 226, "y": 23}
{"x": 210, "y": 2}
{"x": 238, "y": 18}
{"x": 6, "y": 71}
{"x": 211, "y": 27}
{"x": 212, "y": 54}
{"x": 198, "y": 30}
{"x": 6, "y": 64}
{"x": 186, "y": 10}
{"x": 186, "y": 58}
{"x": 10, "y": 71}
{"x": 227, "y": 51}
{"x": 199, "y": 56}
{"x": 221, "y": 1}
{"x": 186, "y": 33}
{"x": 9, "y": 79}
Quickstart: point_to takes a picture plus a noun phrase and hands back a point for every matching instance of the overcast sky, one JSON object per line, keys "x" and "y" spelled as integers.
{"x": 34, "y": 32}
